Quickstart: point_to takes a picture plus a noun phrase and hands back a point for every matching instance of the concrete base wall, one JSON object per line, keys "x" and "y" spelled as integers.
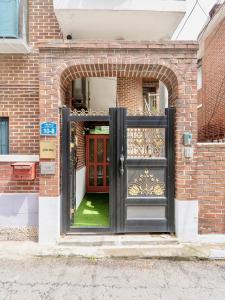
{"x": 49, "y": 220}
{"x": 186, "y": 220}
{"x": 19, "y": 216}
{"x": 18, "y": 210}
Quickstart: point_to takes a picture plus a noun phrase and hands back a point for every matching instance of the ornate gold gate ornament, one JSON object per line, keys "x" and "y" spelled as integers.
{"x": 90, "y": 112}
{"x": 145, "y": 142}
{"x": 146, "y": 185}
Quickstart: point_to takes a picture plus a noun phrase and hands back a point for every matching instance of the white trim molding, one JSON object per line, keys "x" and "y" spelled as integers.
{"x": 19, "y": 158}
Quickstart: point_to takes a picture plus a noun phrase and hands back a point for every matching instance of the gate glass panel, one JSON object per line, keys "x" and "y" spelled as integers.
{"x": 145, "y": 142}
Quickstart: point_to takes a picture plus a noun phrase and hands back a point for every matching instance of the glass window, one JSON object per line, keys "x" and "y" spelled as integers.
{"x": 100, "y": 150}
{"x": 4, "y": 136}
{"x": 9, "y": 18}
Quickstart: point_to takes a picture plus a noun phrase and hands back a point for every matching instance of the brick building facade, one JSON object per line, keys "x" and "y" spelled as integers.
{"x": 211, "y": 93}
{"x": 34, "y": 87}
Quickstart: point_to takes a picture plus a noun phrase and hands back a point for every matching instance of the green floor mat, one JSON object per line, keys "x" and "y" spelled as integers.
{"x": 93, "y": 211}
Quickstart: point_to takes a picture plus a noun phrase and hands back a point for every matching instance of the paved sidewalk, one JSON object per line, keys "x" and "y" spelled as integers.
{"x": 56, "y": 278}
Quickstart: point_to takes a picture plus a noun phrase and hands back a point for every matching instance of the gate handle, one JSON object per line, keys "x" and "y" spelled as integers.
{"x": 121, "y": 164}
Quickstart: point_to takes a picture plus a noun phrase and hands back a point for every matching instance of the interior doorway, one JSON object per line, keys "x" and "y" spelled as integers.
{"x": 91, "y": 207}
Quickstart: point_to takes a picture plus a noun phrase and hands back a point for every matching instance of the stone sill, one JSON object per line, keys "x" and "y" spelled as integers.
{"x": 112, "y": 44}
{"x": 13, "y": 46}
{"x": 211, "y": 145}
{"x": 19, "y": 158}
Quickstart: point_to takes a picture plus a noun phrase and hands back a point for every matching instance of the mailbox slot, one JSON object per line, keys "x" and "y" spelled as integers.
{"x": 23, "y": 171}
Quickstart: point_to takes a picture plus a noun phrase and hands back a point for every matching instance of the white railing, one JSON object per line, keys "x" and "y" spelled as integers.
{"x": 152, "y": 102}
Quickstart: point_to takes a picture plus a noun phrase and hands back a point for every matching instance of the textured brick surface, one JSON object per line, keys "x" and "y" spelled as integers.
{"x": 129, "y": 93}
{"x": 211, "y": 188}
{"x": 212, "y": 95}
{"x": 176, "y": 67}
{"x": 80, "y": 144}
{"x": 19, "y": 91}
{"x": 7, "y": 185}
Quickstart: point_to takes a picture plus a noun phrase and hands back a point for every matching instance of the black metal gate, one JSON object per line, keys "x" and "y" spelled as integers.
{"x": 141, "y": 171}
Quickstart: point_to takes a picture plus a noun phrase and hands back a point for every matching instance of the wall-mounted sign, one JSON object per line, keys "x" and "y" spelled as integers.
{"x": 47, "y": 149}
{"x": 47, "y": 168}
{"x": 48, "y": 128}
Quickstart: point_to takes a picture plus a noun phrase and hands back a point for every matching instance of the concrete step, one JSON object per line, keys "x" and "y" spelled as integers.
{"x": 17, "y": 250}
{"x": 131, "y": 240}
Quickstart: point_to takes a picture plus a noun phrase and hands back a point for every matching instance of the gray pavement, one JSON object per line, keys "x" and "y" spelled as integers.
{"x": 90, "y": 278}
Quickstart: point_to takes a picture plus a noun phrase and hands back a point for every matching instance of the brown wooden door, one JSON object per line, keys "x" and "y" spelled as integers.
{"x": 97, "y": 163}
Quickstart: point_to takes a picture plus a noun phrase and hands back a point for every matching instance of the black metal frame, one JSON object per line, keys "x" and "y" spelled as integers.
{"x": 166, "y": 225}
{"x": 118, "y": 122}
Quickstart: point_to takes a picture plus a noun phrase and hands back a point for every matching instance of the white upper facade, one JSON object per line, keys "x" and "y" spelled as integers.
{"x": 119, "y": 19}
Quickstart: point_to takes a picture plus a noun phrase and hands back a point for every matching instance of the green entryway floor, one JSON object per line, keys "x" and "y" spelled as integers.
{"x": 93, "y": 211}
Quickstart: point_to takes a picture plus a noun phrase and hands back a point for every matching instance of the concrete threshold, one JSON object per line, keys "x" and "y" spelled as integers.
{"x": 151, "y": 250}
{"x": 117, "y": 240}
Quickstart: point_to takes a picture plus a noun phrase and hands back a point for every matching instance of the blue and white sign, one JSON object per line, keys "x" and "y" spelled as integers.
{"x": 48, "y": 128}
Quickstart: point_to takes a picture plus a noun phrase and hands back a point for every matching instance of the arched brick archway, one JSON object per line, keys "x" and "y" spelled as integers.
{"x": 163, "y": 73}
{"x": 172, "y": 63}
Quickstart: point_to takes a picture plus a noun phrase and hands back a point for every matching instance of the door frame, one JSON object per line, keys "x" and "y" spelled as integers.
{"x": 67, "y": 118}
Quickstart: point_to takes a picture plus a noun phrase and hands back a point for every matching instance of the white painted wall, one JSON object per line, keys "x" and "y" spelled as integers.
{"x": 119, "y": 19}
{"x": 163, "y": 92}
{"x": 80, "y": 185}
{"x": 102, "y": 92}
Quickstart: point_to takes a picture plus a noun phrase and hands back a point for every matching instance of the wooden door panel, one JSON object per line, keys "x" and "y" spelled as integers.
{"x": 97, "y": 162}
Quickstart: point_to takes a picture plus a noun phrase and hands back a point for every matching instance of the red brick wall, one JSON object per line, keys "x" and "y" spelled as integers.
{"x": 7, "y": 185}
{"x": 211, "y": 125}
{"x": 19, "y": 90}
{"x": 129, "y": 93}
{"x": 211, "y": 120}
{"x": 80, "y": 144}
{"x": 176, "y": 67}
{"x": 211, "y": 187}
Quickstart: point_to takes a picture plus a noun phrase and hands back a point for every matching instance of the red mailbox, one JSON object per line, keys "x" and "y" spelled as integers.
{"x": 23, "y": 171}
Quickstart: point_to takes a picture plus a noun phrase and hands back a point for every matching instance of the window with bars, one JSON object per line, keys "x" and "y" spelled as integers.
{"x": 4, "y": 136}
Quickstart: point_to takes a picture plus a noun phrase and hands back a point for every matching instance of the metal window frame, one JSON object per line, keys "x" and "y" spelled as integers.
{"x": 5, "y": 119}
{"x": 22, "y": 25}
